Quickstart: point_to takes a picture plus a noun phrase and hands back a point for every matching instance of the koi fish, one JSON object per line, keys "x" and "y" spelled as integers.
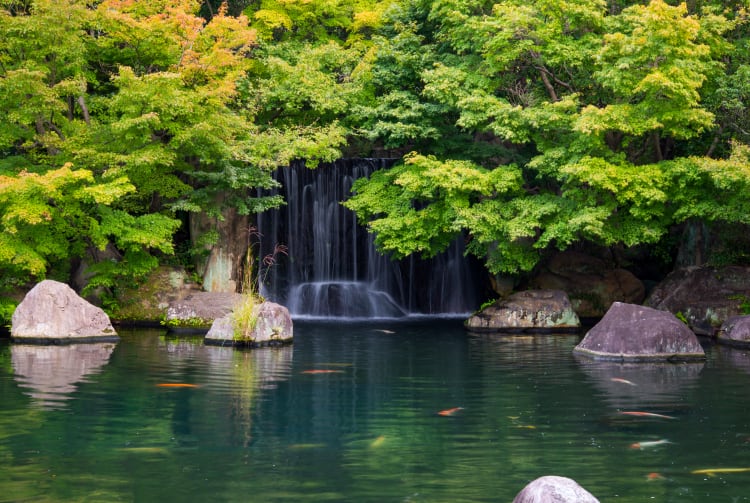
{"x": 646, "y": 414}
{"x": 649, "y": 444}
{"x": 384, "y": 331}
{"x": 713, "y": 471}
{"x": 322, "y": 371}
{"x": 654, "y": 476}
{"x": 176, "y": 385}
{"x": 526, "y": 427}
{"x": 623, "y": 381}
{"x": 449, "y": 412}
{"x": 377, "y": 442}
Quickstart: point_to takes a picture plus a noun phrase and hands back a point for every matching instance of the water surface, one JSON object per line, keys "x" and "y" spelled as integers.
{"x": 91, "y": 423}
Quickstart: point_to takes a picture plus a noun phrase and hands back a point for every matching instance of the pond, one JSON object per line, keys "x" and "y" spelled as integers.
{"x": 352, "y": 412}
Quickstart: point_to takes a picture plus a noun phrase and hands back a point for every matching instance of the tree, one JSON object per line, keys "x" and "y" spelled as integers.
{"x": 597, "y": 108}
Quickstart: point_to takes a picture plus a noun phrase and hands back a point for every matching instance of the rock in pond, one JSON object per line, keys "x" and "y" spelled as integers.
{"x": 554, "y": 489}
{"x": 630, "y": 332}
{"x": 735, "y": 331}
{"x": 528, "y": 311}
{"x": 197, "y": 311}
{"x": 53, "y": 313}
{"x": 273, "y": 326}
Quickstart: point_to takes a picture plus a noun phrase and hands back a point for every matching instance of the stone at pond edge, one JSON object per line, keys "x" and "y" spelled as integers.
{"x": 273, "y": 326}
{"x": 53, "y": 313}
{"x": 531, "y": 310}
{"x": 735, "y": 331}
{"x": 554, "y": 489}
{"x": 706, "y": 296}
{"x": 199, "y": 309}
{"x": 630, "y": 332}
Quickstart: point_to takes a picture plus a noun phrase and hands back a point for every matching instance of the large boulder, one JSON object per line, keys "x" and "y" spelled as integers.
{"x": 53, "y": 313}
{"x": 531, "y": 310}
{"x": 629, "y": 332}
{"x": 735, "y": 331}
{"x": 272, "y": 326}
{"x": 554, "y": 489}
{"x": 591, "y": 283}
{"x": 705, "y": 296}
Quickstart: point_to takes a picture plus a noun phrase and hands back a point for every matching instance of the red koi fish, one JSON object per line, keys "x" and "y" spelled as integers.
{"x": 646, "y": 414}
{"x": 176, "y": 385}
{"x": 654, "y": 476}
{"x": 322, "y": 371}
{"x": 449, "y": 412}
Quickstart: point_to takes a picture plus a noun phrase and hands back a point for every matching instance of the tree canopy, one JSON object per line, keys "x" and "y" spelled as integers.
{"x": 524, "y": 125}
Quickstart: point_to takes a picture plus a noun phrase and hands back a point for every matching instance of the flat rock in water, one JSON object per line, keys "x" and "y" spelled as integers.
{"x": 630, "y": 332}
{"x": 53, "y": 313}
{"x": 273, "y": 326}
{"x": 200, "y": 309}
{"x": 531, "y": 310}
{"x": 554, "y": 489}
{"x": 735, "y": 331}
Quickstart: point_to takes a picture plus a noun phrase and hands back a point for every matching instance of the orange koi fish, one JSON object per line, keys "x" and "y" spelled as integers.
{"x": 646, "y": 414}
{"x": 623, "y": 381}
{"x": 176, "y": 385}
{"x": 654, "y": 476}
{"x": 650, "y": 443}
{"x": 449, "y": 412}
{"x": 322, "y": 371}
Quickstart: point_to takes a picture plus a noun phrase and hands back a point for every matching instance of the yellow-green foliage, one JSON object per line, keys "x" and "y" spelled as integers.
{"x": 245, "y": 318}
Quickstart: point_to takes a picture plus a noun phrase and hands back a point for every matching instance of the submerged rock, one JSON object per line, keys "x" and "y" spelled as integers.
{"x": 532, "y": 310}
{"x": 735, "y": 331}
{"x": 705, "y": 296}
{"x": 629, "y": 332}
{"x": 554, "y": 489}
{"x": 53, "y": 313}
{"x": 272, "y": 326}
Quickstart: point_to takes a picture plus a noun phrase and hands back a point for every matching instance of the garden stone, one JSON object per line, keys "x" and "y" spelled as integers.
{"x": 630, "y": 332}
{"x": 197, "y": 311}
{"x": 53, "y": 313}
{"x": 273, "y": 326}
{"x": 592, "y": 284}
{"x": 735, "y": 331}
{"x": 531, "y": 310}
{"x": 705, "y": 296}
{"x": 554, "y": 489}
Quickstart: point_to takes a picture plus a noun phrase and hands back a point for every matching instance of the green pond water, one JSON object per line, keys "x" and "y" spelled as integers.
{"x": 91, "y": 423}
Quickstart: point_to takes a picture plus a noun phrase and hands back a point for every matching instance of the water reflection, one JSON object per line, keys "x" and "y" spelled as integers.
{"x": 635, "y": 386}
{"x": 50, "y": 374}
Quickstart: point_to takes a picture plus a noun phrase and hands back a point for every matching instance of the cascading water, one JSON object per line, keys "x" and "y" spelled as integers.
{"x": 332, "y": 268}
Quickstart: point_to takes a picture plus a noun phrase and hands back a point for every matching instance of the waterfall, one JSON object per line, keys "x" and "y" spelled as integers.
{"x": 332, "y": 269}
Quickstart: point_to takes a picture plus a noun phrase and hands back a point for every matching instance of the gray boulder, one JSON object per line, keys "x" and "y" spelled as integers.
{"x": 706, "y": 296}
{"x": 629, "y": 332}
{"x": 53, "y": 313}
{"x": 273, "y": 326}
{"x": 735, "y": 331}
{"x": 554, "y": 489}
{"x": 531, "y": 310}
{"x": 197, "y": 311}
